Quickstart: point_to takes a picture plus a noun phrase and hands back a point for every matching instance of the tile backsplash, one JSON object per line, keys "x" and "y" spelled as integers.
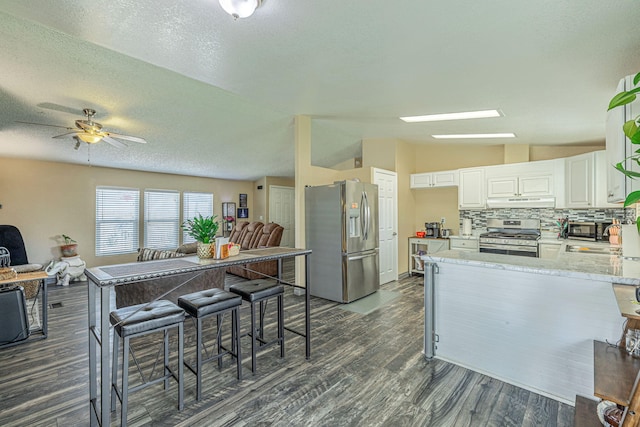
{"x": 547, "y": 216}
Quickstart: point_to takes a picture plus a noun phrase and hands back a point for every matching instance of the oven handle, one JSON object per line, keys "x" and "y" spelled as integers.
{"x": 509, "y": 247}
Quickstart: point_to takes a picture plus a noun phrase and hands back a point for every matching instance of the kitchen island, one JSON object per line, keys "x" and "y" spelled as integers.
{"x": 527, "y": 321}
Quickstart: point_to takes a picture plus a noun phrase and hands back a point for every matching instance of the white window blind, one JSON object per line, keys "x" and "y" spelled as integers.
{"x": 117, "y": 213}
{"x": 161, "y": 219}
{"x": 194, "y": 204}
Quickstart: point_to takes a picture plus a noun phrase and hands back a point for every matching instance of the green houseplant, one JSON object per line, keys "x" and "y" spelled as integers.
{"x": 204, "y": 230}
{"x": 630, "y": 129}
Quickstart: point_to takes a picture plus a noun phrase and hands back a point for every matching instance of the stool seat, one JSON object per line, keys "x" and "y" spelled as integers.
{"x": 202, "y": 303}
{"x": 255, "y": 290}
{"x": 145, "y": 317}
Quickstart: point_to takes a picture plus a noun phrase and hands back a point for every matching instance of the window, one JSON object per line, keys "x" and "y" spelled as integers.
{"x": 117, "y": 213}
{"x": 194, "y": 204}
{"x": 161, "y": 219}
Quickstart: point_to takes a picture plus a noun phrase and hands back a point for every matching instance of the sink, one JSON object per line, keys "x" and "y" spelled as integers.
{"x": 599, "y": 250}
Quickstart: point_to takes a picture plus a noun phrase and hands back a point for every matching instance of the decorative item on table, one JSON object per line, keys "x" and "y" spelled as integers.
{"x": 222, "y": 248}
{"x": 68, "y": 246}
{"x": 204, "y": 230}
{"x": 609, "y": 414}
{"x": 632, "y": 342}
{"x": 5, "y": 257}
{"x": 421, "y": 234}
{"x": 234, "y": 249}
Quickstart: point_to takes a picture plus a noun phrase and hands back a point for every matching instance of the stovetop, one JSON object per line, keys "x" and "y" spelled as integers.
{"x": 521, "y": 235}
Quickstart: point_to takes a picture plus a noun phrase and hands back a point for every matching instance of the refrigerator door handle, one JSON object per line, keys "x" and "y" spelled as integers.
{"x": 357, "y": 257}
{"x": 366, "y": 216}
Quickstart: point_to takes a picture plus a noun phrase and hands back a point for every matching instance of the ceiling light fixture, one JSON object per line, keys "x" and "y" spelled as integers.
{"x": 475, "y": 135}
{"x": 453, "y": 116}
{"x": 89, "y": 138}
{"x": 240, "y": 8}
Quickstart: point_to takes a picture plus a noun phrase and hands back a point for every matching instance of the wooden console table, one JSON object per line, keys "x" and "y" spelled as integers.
{"x": 45, "y": 279}
{"x": 102, "y": 279}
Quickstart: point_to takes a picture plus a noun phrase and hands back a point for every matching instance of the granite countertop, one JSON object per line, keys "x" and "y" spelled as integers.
{"x": 569, "y": 264}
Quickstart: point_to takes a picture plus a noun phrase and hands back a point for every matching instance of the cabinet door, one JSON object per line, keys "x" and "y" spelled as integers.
{"x": 616, "y": 143}
{"x": 421, "y": 180}
{"x": 471, "y": 193}
{"x": 445, "y": 179}
{"x": 502, "y": 187}
{"x": 437, "y": 246}
{"x": 540, "y": 185}
{"x": 548, "y": 250}
{"x": 579, "y": 174}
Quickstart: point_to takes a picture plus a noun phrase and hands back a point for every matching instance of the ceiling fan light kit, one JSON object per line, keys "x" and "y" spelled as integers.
{"x": 91, "y": 132}
{"x": 240, "y": 8}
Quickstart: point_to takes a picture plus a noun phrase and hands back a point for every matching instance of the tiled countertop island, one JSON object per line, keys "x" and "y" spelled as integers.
{"x": 530, "y": 322}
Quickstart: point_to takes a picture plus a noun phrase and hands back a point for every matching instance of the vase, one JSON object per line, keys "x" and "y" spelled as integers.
{"x": 204, "y": 250}
{"x": 69, "y": 250}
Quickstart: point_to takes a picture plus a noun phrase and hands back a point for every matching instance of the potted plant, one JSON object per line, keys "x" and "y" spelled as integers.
{"x": 68, "y": 246}
{"x": 204, "y": 230}
{"x": 630, "y": 129}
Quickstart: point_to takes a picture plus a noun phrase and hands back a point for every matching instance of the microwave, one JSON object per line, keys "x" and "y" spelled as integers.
{"x": 593, "y": 231}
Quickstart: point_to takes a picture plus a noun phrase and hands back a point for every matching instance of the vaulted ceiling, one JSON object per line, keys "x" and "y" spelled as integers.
{"x": 216, "y": 96}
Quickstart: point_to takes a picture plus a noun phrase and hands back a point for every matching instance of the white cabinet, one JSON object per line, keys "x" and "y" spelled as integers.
{"x": 579, "y": 180}
{"x": 471, "y": 188}
{"x": 434, "y": 179}
{"x": 460, "y": 244}
{"x": 549, "y": 250}
{"x": 603, "y": 167}
{"x": 419, "y": 247}
{"x": 522, "y": 179}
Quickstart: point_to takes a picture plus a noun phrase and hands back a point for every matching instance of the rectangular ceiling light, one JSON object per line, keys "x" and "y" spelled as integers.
{"x": 475, "y": 135}
{"x": 453, "y": 116}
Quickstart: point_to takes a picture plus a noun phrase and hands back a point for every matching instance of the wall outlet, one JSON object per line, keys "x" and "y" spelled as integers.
{"x": 442, "y": 220}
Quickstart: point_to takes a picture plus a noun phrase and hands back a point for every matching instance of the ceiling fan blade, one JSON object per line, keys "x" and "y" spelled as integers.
{"x": 126, "y": 137}
{"x": 65, "y": 134}
{"x": 42, "y": 124}
{"x": 113, "y": 142}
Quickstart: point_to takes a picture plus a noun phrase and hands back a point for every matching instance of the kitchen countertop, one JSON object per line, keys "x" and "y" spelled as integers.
{"x": 568, "y": 264}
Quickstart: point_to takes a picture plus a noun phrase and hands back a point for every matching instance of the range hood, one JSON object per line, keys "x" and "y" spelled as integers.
{"x": 521, "y": 202}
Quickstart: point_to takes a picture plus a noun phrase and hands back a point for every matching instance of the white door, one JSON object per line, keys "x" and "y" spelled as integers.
{"x": 282, "y": 211}
{"x": 387, "y": 182}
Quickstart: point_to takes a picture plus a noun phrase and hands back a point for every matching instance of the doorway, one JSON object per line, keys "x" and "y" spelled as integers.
{"x": 282, "y": 211}
{"x": 387, "y": 182}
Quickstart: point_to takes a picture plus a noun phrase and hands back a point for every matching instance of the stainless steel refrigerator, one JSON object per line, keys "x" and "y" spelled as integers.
{"x": 342, "y": 231}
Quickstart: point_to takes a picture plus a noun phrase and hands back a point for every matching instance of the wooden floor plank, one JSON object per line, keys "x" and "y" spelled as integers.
{"x": 365, "y": 370}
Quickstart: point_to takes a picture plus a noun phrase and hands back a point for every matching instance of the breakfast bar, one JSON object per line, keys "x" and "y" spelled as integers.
{"x": 102, "y": 279}
{"x": 530, "y": 322}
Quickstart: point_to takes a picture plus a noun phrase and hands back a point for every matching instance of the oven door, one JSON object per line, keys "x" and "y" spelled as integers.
{"x": 492, "y": 248}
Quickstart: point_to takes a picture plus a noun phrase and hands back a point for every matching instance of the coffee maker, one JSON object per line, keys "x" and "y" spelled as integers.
{"x": 433, "y": 229}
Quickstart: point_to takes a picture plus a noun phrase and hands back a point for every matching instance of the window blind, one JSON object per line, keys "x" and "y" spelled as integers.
{"x": 117, "y": 213}
{"x": 161, "y": 219}
{"x": 194, "y": 204}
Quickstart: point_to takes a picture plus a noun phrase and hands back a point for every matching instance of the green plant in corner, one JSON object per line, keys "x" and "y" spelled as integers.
{"x": 203, "y": 229}
{"x": 630, "y": 129}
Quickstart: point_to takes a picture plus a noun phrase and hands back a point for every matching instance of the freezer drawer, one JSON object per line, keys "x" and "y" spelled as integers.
{"x": 362, "y": 275}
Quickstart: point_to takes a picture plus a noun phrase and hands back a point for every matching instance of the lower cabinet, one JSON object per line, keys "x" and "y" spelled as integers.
{"x": 548, "y": 250}
{"x": 460, "y": 244}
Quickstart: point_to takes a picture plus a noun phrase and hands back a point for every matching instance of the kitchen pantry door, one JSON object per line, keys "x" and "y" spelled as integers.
{"x": 388, "y": 223}
{"x": 282, "y": 211}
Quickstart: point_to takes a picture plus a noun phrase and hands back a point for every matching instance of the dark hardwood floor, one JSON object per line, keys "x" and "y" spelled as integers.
{"x": 365, "y": 370}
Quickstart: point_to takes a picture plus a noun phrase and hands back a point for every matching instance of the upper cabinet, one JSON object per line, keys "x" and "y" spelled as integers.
{"x": 521, "y": 179}
{"x": 471, "y": 194}
{"x": 579, "y": 180}
{"x": 434, "y": 179}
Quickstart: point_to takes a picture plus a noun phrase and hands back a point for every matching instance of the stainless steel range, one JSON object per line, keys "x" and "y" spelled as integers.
{"x": 511, "y": 237}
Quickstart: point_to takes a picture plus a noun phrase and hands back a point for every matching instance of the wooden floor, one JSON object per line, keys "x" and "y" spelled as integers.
{"x": 365, "y": 370}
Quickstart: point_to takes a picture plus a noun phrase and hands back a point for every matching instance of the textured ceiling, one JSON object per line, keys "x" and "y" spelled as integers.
{"x": 216, "y": 97}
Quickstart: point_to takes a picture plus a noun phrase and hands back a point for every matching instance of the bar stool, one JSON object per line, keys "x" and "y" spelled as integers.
{"x": 260, "y": 291}
{"x": 135, "y": 321}
{"x": 202, "y": 305}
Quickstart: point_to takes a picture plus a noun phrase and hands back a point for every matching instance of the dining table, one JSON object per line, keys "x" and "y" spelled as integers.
{"x": 101, "y": 281}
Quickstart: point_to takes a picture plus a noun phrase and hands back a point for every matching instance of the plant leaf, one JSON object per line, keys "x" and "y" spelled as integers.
{"x": 630, "y": 128}
{"x": 623, "y": 98}
{"x": 636, "y": 79}
{"x": 632, "y": 198}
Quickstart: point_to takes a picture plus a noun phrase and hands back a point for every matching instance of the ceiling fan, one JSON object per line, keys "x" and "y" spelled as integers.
{"x": 92, "y": 132}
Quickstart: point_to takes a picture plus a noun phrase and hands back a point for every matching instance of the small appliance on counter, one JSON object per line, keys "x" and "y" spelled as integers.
{"x": 433, "y": 230}
{"x": 446, "y": 232}
{"x": 594, "y": 231}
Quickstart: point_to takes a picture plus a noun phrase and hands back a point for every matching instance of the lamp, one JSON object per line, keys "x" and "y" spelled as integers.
{"x": 89, "y": 138}
{"x": 240, "y": 8}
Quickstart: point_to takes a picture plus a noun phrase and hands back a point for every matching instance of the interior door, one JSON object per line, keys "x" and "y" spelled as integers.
{"x": 282, "y": 211}
{"x": 387, "y": 182}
